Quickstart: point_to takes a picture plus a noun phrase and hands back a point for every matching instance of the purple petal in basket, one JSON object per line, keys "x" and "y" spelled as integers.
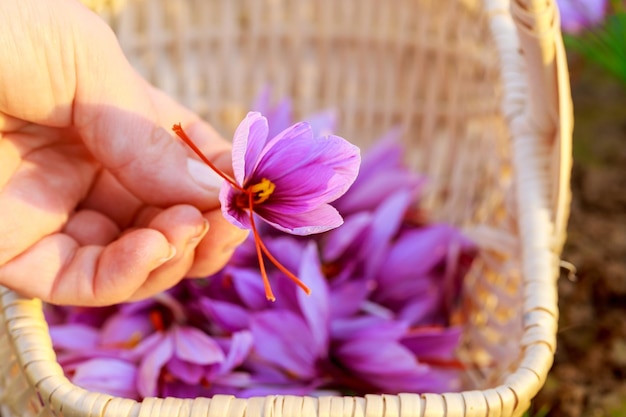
{"x": 391, "y": 367}
{"x": 420, "y": 278}
{"x": 274, "y": 333}
{"x": 108, "y": 375}
{"x": 181, "y": 350}
{"x": 382, "y": 166}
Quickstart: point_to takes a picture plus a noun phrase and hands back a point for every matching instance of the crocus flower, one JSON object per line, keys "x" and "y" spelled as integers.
{"x": 287, "y": 180}
{"x": 577, "y": 15}
{"x": 290, "y": 178}
{"x": 421, "y": 275}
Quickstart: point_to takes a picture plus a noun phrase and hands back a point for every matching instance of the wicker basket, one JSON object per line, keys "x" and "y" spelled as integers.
{"x": 481, "y": 91}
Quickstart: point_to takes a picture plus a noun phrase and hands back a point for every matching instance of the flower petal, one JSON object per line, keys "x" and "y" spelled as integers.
{"x": 433, "y": 342}
{"x": 385, "y": 224}
{"x": 74, "y": 337}
{"x": 248, "y": 143}
{"x": 279, "y": 117}
{"x": 249, "y": 287}
{"x": 369, "y": 196}
{"x": 274, "y": 331}
{"x": 315, "y": 307}
{"x": 377, "y": 357}
{"x": 185, "y": 371}
{"x": 310, "y": 171}
{"x": 178, "y": 389}
{"x": 195, "y": 346}
{"x": 231, "y": 212}
{"x": 369, "y": 327}
{"x": 318, "y": 220}
{"x": 123, "y": 330}
{"x": 240, "y": 346}
{"x": 577, "y": 15}
{"x": 152, "y": 363}
{"x": 323, "y": 123}
{"x": 233, "y": 379}
{"x": 109, "y": 376}
{"x": 346, "y": 298}
{"x": 336, "y": 242}
{"x": 227, "y": 316}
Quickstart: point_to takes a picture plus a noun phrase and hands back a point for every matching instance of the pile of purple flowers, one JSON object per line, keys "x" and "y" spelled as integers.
{"x": 381, "y": 317}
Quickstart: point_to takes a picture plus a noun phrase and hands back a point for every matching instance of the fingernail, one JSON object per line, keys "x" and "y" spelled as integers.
{"x": 203, "y": 174}
{"x": 169, "y": 256}
{"x": 198, "y": 237}
{"x": 235, "y": 244}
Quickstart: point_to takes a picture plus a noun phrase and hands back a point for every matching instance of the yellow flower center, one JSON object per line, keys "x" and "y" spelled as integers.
{"x": 262, "y": 190}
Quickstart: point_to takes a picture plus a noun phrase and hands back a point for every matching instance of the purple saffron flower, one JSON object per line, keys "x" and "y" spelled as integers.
{"x": 290, "y": 178}
{"x": 287, "y": 180}
{"x": 577, "y": 15}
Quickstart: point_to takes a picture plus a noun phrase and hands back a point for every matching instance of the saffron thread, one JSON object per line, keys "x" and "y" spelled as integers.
{"x": 181, "y": 134}
{"x": 266, "y": 282}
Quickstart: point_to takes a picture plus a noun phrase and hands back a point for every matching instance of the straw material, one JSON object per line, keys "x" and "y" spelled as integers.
{"x": 481, "y": 93}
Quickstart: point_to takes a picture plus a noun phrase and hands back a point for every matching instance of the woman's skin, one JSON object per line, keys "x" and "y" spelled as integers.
{"x": 99, "y": 203}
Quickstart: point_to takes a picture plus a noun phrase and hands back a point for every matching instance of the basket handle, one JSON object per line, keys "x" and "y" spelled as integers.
{"x": 549, "y": 111}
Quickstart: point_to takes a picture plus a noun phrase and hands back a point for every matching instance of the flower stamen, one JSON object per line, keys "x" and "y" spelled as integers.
{"x": 262, "y": 190}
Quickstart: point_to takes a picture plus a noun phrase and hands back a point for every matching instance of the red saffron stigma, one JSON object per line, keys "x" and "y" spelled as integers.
{"x": 156, "y": 318}
{"x": 258, "y": 243}
{"x": 181, "y": 134}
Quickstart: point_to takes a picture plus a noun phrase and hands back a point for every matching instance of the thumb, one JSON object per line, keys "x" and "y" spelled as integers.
{"x": 126, "y": 125}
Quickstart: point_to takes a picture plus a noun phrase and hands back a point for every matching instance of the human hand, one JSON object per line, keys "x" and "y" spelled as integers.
{"x": 99, "y": 203}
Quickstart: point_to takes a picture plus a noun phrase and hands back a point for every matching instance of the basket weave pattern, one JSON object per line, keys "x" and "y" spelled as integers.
{"x": 480, "y": 91}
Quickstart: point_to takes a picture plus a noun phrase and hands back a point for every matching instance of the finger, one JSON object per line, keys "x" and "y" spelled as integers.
{"x": 57, "y": 270}
{"x": 10, "y": 160}
{"x": 125, "y": 133}
{"x": 87, "y": 83}
{"x": 217, "y": 247}
{"x": 88, "y": 227}
{"x": 109, "y": 197}
{"x": 204, "y": 136}
{"x": 36, "y": 201}
{"x": 170, "y": 112}
{"x": 184, "y": 227}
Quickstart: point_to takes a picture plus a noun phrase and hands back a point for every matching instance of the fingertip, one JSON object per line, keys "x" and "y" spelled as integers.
{"x": 217, "y": 247}
{"x": 126, "y": 264}
{"x": 171, "y": 254}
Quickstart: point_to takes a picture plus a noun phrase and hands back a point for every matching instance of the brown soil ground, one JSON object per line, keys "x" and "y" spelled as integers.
{"x": 589, "y": 374}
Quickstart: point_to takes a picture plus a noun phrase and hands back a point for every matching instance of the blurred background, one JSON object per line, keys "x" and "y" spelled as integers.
{"x": 589, "y": 374}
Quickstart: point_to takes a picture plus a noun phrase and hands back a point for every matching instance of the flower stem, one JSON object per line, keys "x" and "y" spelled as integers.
{"x": 181, "y": 134}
